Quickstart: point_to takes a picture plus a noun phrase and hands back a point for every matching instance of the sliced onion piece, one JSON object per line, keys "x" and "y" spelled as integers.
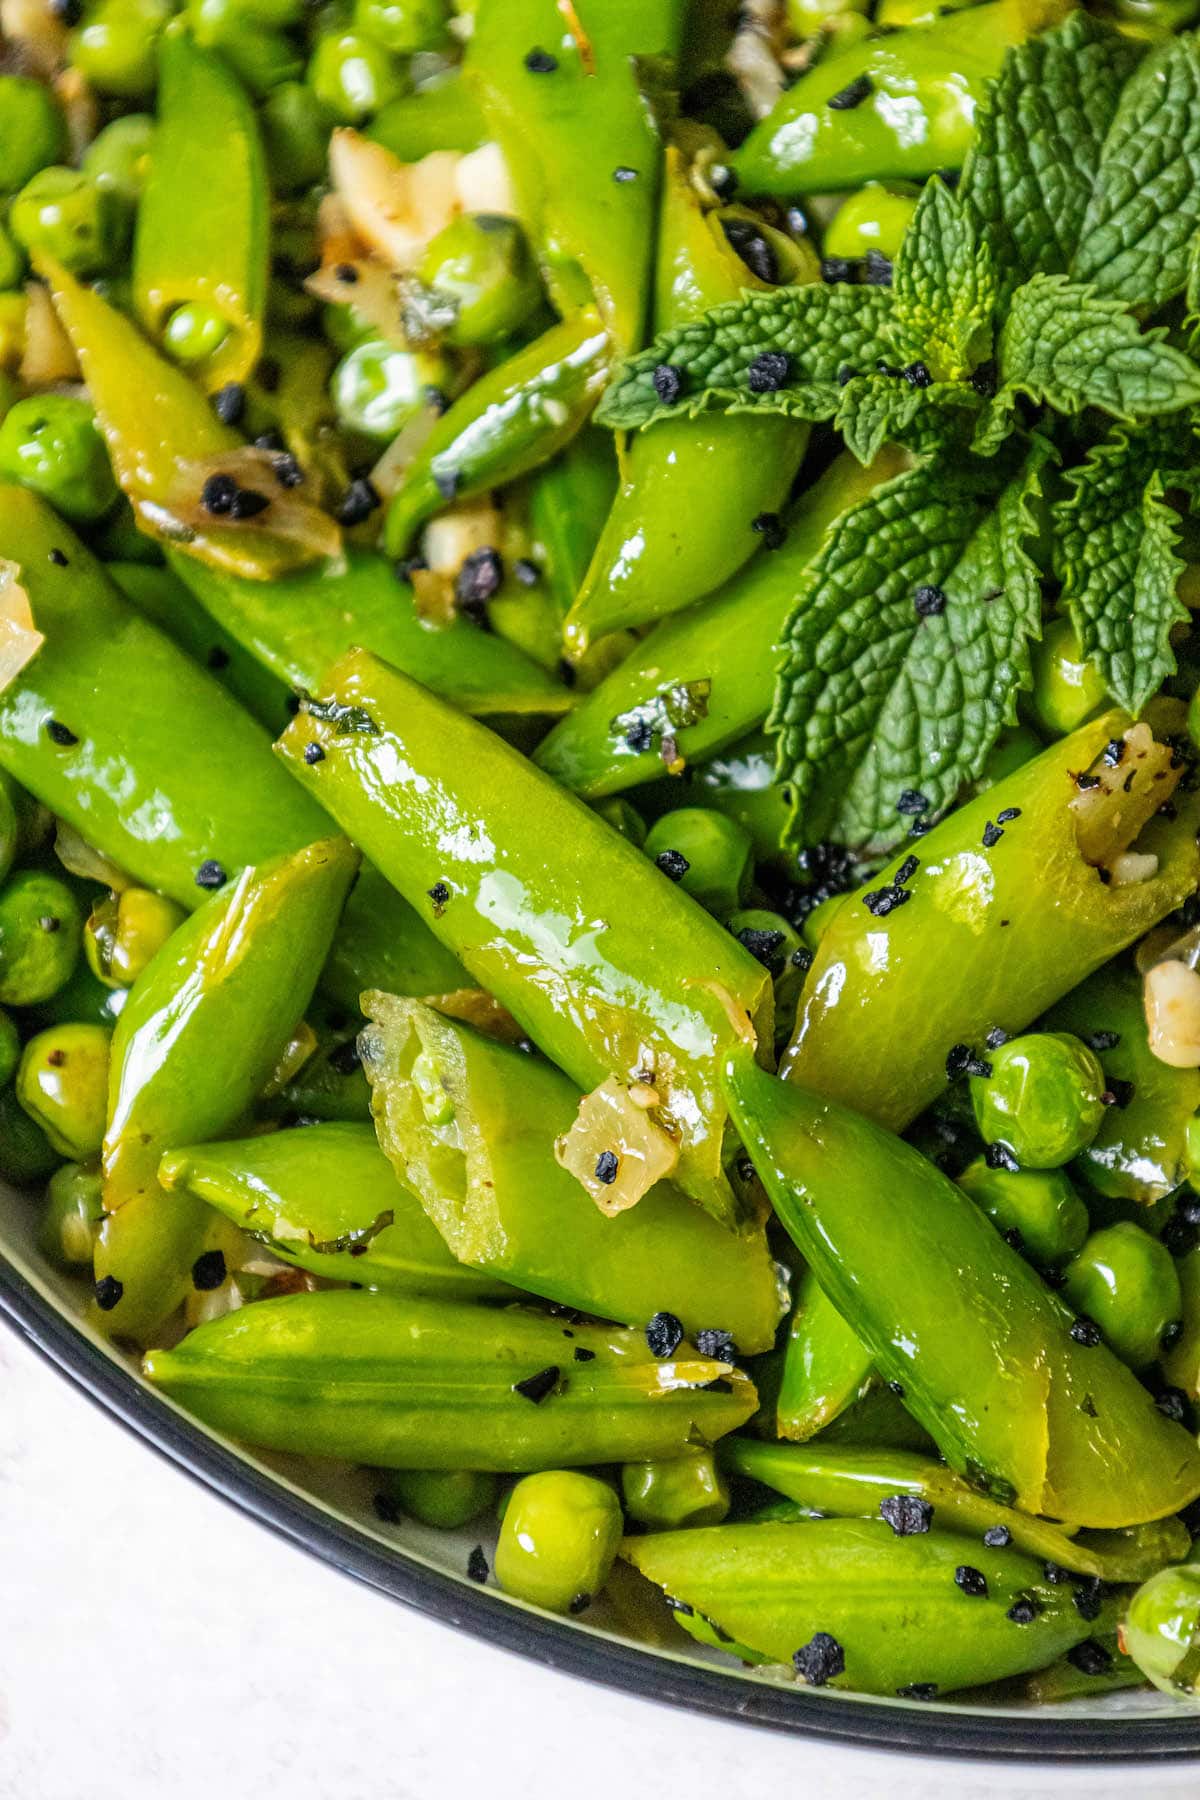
{"x": 20, "y": 639}
{"x": 614, "y": 1149}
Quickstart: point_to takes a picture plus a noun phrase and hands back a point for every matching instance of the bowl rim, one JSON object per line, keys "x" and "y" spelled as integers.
{"x": 556, "y": 1643}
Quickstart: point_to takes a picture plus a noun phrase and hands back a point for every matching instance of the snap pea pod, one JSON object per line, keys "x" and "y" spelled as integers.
{"x": 983, "y": 1349}
{"x": 445, "y": 117}
{"x": 616, "y": 974}
{"x": 821, "y": 1368}
{"x": 850, "y": 1482}
{"x": 511, "y": 420}
{"x": 163, "y": 772}
{"x": 702, "y": 680}
{"x": 329, "y": 1086}
{"x": 382, "y": 942}
{"x": 1019, "y": 921}
{"x": 919, "y": 92}
{"x": 569, "y": 501}
{"x": 407, "y": 1383}
{"x": 205, "y": 1023}
{"x": 143, "y": 1261}
{"x": 659, "y": 551}
{"x": 1140, "y": 1150}
{"x": 1066, "y": 1680}
{"x": 202, "y": 242}
{"x": 474, "y": 1137}
{"x": 297, "y": 625}
{"x": 566, "y": 130}
{"x": 325, "y": 1198}
{"x": 892, "y": 1606}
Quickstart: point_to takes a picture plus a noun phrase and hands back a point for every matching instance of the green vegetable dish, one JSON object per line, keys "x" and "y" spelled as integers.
{"x": 600, "y": 788}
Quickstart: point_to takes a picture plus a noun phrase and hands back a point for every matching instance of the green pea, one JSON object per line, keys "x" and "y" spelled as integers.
{"x": 1126, "y": 1282}
{"x": 709, "y": 855}
{"x": 193, "y": 331}
{"x": 558, "y": 1539}
{"x": 26, "y": 1153}
{"x": 51, "y": 443}
{"x": 62, "y": 1082}
{"x": 1039, "y": 1204}
{"x": 1044, "y": 1098}
{"x": 12, "y": 260}
{"x": 33, "y": 132}
{"x": 295, "y": 130}
{"x": 624, "y": 818}
{"x": 480, "y": 270}
{"x": 124, "y": 931}
{"x": 1162, "y": 1628}
{"x": 687, "y": 1490}
{"x": 82, "y": 999}
{"x": 773, "y": 941}
{"x": 447, "y": 1499}
{"x": 353, "y": 76}
{"x": 41, "y": 926}
{"x": 119, "y": 157}
{"x": 74, "y": 1208}
{"x": 376, "y": 388}
{"x": 71, "y": 217}
{"x": 116, "y": 47}
{"x": 403, "y": 26}
{"x": 874, "y": 218}
{"x": 1066, "y": 688}
{"x": 817, "y": 922}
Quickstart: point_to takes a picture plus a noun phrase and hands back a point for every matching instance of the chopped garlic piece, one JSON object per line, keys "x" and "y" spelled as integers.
{"x": 1171, "y": 996}
{"x": 20, "y": 640}
{"x": 1133, "y": 866}
{"x": 394, "y": 207}
{"x": 614, "y": 1149}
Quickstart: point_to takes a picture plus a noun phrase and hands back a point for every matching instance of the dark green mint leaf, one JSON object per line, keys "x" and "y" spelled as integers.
{"x": 822, "y": 330}
{"x": 943, "y": 288}
{"x": 1028, "y": 179}
{"x": 1145, "y": 206}
{"x": 876, "y": 695}
{"x": 1065, "y": 345}
{"x": 877, "y": 409}
{"x": 995, "y": 424}
{"x": 1115, "y": 554}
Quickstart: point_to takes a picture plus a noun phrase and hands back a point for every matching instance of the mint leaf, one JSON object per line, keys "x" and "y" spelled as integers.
{"x": 1028, "y": 179}
{"x": 1116, "y": 557}
{"x": 877, "y": 409}
{"x": 1145, "y": 205}
{"x": 1065, "y": 345}
{"x": 943, "y": 288}
{"x": 907, "y": 647}
{"x": 819, "y": 329}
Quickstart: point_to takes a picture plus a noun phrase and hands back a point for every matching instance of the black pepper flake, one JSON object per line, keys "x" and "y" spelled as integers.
{"x": 218, "y": 494}
{"x": 756, "y": 251}
{"x": 346, "y": 1058}
{"x": 229, "y": 402}
{"x": 1179, "y": 1236}
{"x": 907, "y": 870}
{"x": 852, "y": 95}
{"x": 897, "y": 1388}
{"x": 802, "y": 959}
{"x": 673, "y": 863}
{"x": 911, "y": 803}
{"x": 718, "y": 1344}
{"x": 1172, "y": 1402}
{"x": 1171, "y": 1334}
{"x": 248, "y": 503}
{"x": 877, "y": 269}
{"x": 387, "y": 1509}
{"x": 679, "y": 1606}
{"x": 208, "y": 1271}
{"x": 1114, "y": 751}
{"x": 884, "y": 900}
{"x": 49, "y": 923}
{"x": 479, "y": 579}
{"x": 820, "y": 1660}
{"x": 996, "y": 1037}
{"x": 406, "y": 568}
{"x": 1117, "y": 1093}
{"x": 907, "y": 1514}
{"x": 288, "y": 472}
{"x": 664, "y": 1334}
{"x": 1085, "y": 783}
{"x": 108, "y": 1292}
{"x": 313, "y": 753}
{"x": 918, "y": 1690}
{"x": 837, "y": 268}
{"x": 582, "y": 1355}
{"x": 579, "y": 1603}
{"x": 764, "y": 946}
{"x": 1089, "y": 1599}
{"x": 668, "y": 383}
{"x": 540, "y": 62}
{"x": 997, "y": 1537}
{"x": 973, "y": 1582}
{"x": 1023, "y": 1611}
{"x": 358, "y": 502}
{"x": 771, "y": 528}
{"x": 957, "y": 1058}
{"x": 1102, "y": 1040}
{"x": 1090, "y": 1658}
{"x": 1008, "y": 815}
{"x": 991, "y": 835}
{"x": 536, "y": 1387}
{"x": 58, "y": 558}
{"x": 527, "y": 572}
{"x": 769, "y": 372}
{"x": 439, "y": 893}
{"x": 623, "y": 173}
{"x": 917, "y": 375}
{"x": 477, "y": 1564}
{"x": 1187, "y": 1209}
{"x": 1056, "y": 1575}
{"x": 639, "y": 736}
{"x": 607, "y": 1165}
{"x": 929, "y": 601}
{"x": 211, "y": 874}
{"x": 61, "y": 734}
{"x": 1085, "y": 1331}
{"x": 1000, "y": 1156}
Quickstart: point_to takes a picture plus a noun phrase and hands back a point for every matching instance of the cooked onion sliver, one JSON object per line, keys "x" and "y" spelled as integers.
{"x": 614, "y": 1149}
{"x": 20, "y": 639}
{"x": 287, "y": 516}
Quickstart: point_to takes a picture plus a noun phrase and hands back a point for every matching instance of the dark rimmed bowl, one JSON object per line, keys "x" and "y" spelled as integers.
{"x": 328, "y": 1513}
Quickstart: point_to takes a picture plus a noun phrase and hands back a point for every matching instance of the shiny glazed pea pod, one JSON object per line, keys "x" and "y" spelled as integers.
{"x": 1140, "y": 1150}
{"x": 985, "y": 1352}
{"x": 115, "y": 730}
{"x": 205, "y": 1024}
{"x": 687, "y": 1490}
{"x": 382, "y": 942}
{"x": 325, "y": 1198}
{"x": 299, "y": 624}
{"x": 616, "y": 974}
{"x": 702, "y": 680}
{"x": 823, "y": 1369}
{"x": 201, "y": 242}
{"x": 852, "y": 1482}
{"x": 441, "y": 117}
{"x": 854, "y": 1606}
{"x": 470, "y": 1125}
{"x": 1019, "y": 920}
{"x": 406, "y": 1383}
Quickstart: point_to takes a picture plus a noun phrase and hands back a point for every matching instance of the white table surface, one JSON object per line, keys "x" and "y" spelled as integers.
{"x": 156, "y": 1645}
